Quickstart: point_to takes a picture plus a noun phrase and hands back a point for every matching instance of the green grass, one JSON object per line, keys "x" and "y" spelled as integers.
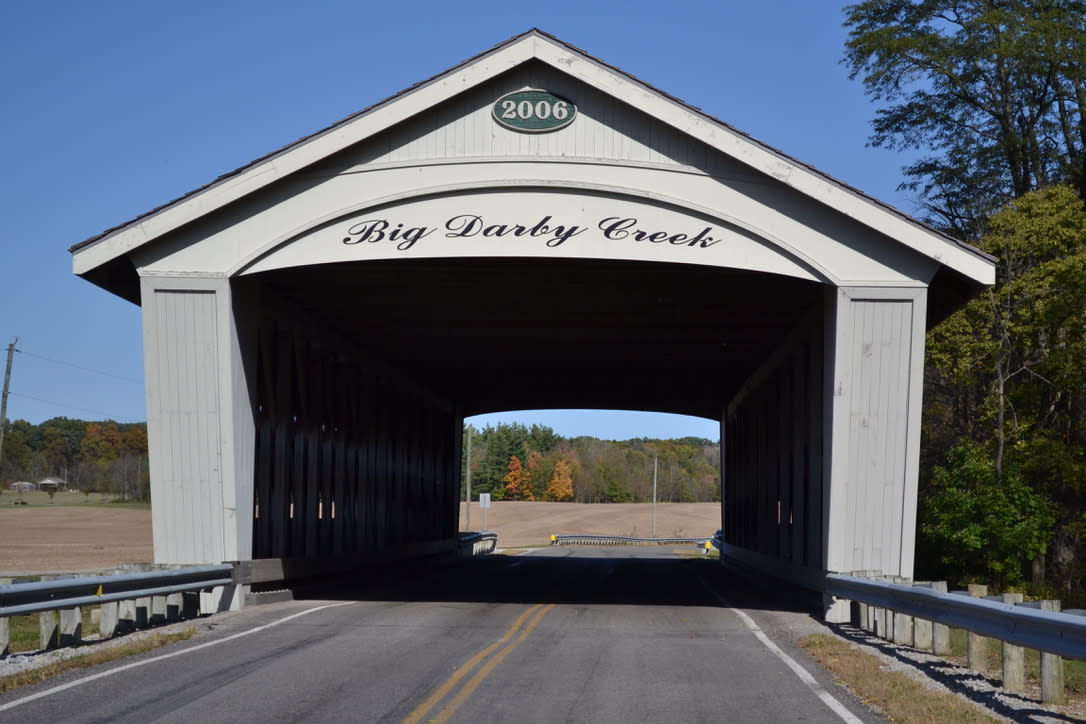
{"x": 25, "y": 632}
{"x": 64, "y": 498}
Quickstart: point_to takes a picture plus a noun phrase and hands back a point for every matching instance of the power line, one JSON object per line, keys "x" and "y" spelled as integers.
{"x": 79, "y": 367}
{"x": 73, "y": 407}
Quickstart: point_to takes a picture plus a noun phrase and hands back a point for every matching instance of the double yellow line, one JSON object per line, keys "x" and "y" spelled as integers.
{"x": 503, "y": 646}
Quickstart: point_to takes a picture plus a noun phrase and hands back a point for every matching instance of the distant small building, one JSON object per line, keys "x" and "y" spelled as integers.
{"x": 23, "y": 486}
{"x": 52, "y": 484}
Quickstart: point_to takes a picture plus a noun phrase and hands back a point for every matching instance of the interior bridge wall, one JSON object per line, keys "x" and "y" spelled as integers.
{"x": 350, "y": 458}
{"x": 772, "y": 455}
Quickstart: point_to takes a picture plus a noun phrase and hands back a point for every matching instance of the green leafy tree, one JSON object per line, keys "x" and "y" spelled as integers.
{"x": 996, "y": 89}
{"x": 498, "y": 445}
{"x": 981, "y": 524}
{"x": 1007, "y": 370}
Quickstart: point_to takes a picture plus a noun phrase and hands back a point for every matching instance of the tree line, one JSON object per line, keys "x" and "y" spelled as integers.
{"x": 518, "y": 462}
{"x": 993, "y": 93}
{"x": 103, "y": 456}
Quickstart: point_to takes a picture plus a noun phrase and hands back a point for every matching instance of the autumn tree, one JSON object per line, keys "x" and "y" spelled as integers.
{"x": 560, "y": 487}
{"x": 532, "y": 474}
{"x": 514, "y": 480}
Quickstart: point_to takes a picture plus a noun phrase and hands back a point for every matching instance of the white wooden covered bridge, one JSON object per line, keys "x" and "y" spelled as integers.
{"x": 530, "y": 229}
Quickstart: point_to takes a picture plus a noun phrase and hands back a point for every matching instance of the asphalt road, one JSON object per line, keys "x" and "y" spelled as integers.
{"x": 558, "y": 635}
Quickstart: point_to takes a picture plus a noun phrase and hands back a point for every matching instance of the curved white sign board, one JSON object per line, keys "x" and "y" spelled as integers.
{"x": 527, "y": 223}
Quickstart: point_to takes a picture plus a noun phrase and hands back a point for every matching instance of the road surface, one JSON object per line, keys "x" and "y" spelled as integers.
{"x": 556, "y": 635}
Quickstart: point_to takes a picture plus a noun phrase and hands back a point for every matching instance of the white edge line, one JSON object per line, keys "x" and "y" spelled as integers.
{"x": 162, "y": 657}
{"x": 827, "y": 698}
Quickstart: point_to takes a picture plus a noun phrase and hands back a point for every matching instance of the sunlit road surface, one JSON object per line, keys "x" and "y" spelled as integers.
{"x": 556, "y": 635}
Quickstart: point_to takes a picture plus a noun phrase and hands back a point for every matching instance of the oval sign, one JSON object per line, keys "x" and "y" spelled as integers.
{"x": 534, "y": 111}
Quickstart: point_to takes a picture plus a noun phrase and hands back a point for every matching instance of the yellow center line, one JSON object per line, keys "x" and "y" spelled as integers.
{"x": 442, "y": 691}
{"x": 474, "y": 682}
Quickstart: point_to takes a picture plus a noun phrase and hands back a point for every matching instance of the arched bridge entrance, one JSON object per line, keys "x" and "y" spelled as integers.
{"x": 530, "y": 229}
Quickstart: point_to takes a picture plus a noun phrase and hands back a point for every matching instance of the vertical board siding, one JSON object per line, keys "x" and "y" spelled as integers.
{"x": 605, "y": 129}
{"x": 878, "y": 429}
{"x": 347, "y": 461}
{"x": 773, "y": 459}
{"x": 186, "y": 471}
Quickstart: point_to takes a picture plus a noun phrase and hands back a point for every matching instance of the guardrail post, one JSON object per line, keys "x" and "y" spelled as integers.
{"x": 882, "y": 619}
{"x": 48, "y": 626}
{"x": 158, "y": 610}
{"x": 1014, "y": 660}
{"x": 190, "y": 604}
{"x": 1051, "y": 668}
{"x": 174, "y": 602}
{"x": 48, "y": 630}
{"x": 859, "y": 608}
{"x": 978, "y": 645}
{"x": 108, "y": 618}
{"x": 903, "y": 623}
{"x": 5, "y": 627}
{"x": 143, "y": 612}
{"x": 126, "y": 617}
{"x": 940, "y": 633}
{"x": 71, "y": 627}
{"x": 921, "y": 627}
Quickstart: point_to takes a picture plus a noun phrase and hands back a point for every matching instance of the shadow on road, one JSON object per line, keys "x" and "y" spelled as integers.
{"x": 629, "y": 577}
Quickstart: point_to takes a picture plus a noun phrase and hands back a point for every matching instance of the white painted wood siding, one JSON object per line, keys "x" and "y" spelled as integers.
{"x": 605, "y": 129}
{"x": 875, "y": 431}
{"x": 182, "y": 355}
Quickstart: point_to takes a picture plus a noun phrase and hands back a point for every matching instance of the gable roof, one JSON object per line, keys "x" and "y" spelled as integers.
{"x": 102, "y": 258}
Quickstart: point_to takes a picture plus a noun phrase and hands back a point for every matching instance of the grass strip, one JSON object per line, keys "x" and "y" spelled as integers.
{"x": 92, "y": 658}
{"x": 899, "y": 697}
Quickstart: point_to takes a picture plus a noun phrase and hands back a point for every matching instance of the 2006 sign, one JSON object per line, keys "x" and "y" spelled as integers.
{"x": 534, "y": 111}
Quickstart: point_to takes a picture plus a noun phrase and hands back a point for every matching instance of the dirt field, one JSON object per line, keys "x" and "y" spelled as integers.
{"x": 56, "y": 538}
{"x": 72, "y": 538}
{"x": 526, "y": 524}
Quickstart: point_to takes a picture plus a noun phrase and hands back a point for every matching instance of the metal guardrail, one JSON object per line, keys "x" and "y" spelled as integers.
{"x": 621, "y": 540}
{"x": 478, "y": 544}
{"x": 35, "y": 597}
{"x": 1057, "y": 633}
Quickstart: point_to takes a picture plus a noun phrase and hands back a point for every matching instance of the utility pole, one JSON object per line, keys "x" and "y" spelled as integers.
{"x": 4, "y": 396}
{"x": 654, "y": 460}
{"x": 467, "y": 523}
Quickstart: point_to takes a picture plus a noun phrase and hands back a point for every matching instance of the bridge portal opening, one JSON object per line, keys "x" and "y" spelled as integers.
{"x": 364, "y": 371}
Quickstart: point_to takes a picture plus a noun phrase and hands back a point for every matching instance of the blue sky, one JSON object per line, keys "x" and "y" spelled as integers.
{"x": 112, "y": 108}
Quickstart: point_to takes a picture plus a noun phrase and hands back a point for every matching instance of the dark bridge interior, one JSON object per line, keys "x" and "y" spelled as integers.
{"x": 497, "y": 334}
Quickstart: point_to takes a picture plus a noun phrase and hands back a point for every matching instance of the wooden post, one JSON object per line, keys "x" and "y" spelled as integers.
{"x": 48, "y": 626}
{"x": 940, "y": 633}
{"x": 5, "y": 627}
{"x": 174, "y": 602}
{"x": 922, "y": 628}
{"x": 48, "y": 630}
{"x": 108, "y": 618}
{"x": 1014, "y": 661}
{"x": 978, "y": 645}
{"x": 143, "y": 612}
{"x": 158, "y": 610}
{"x": 71, "y": 627}
{"x": 1051, "y": 668}
{"x": 903, "y": 622}
{"x": 126, "y": 617}
{"x": 190, "y": 604}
